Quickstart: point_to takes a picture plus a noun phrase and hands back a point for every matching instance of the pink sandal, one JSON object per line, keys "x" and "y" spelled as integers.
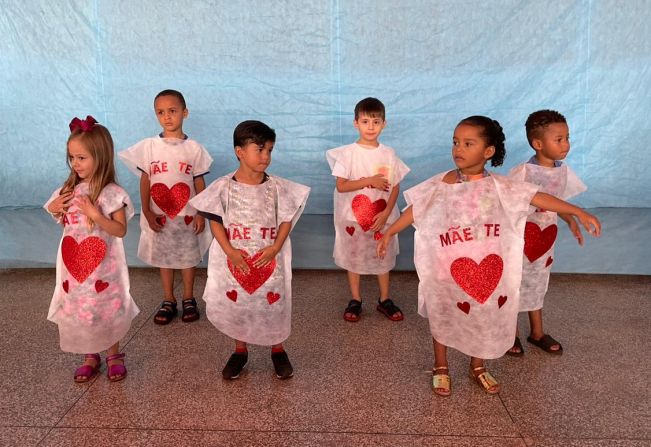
{"x": 115, "y": 373}
{"x": 86, "y": 372}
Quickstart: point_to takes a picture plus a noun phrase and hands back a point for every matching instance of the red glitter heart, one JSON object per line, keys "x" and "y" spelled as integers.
{"x": 188, "y": 220}
{"x": 257, "y": 275}
{"x": 65, "y": 286}
{"x": 465, "y": 307}
{"x": 377, "y": 236}
{"x": 161, "y": 220}
{"x": 83, "y": 258}
{"x": 536, "y": 241}
{"x": 232, "y": 295}
{"x": 501, "y": 300}
{"x": 273, "y": 297}
{"x": 478, "y": 281}
{"x": 549, "y": 261}
{"x": 365, "y": 210}
{"x": 350, "y": 230}
{"x": 171, "y": 201}
{"x": 100, "y": 285}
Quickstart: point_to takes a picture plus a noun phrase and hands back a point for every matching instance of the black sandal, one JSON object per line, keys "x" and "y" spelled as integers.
{"x": 353, "y": 310}
{"x": 190, "y": 310}
{"x": 518, "y": 345}
{"x": 389, "y": 309}
{"x": 166, "y": 312}
{"x": 546, "y": 343}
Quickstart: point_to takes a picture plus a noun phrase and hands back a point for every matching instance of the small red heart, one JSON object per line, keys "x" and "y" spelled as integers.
{"x": 273, "y": 297}
{"x": 549, "y": 261}
{"x": 377, "y": 235}
{"x": 188, "y": 220}
{"x": 100, "y": 285}
{"x": 232, "y": 295}
{"x": 162, "y": 220}
{"x": 465, "y": 307}
{"x": 501, "y": 300}
{"x": 65, "y": 286}
{"x": 350, "y": 230}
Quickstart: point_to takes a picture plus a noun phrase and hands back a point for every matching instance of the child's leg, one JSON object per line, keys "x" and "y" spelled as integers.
{"x": 441, "y": 373}
{"x": 383, "y": 283}
{"x": 167, "y": 310}
{"x": 385, "y": 305}
{"x": 190, "y": 308}
{"x": 354, "y": 307}
{"x": 516, "y": 350}
{"x": 353, "y": 283}
{"x": 481, "y": 375}
{"x": 167, "y": 279}
{"x": 440, "y": 354}
{"x": 538, "y": 334}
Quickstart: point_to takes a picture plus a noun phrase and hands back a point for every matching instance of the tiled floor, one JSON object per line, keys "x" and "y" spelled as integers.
{"x": 355, "y": 384}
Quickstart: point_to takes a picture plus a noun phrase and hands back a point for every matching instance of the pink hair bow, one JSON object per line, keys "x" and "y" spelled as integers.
{"x": 82, "y": 125}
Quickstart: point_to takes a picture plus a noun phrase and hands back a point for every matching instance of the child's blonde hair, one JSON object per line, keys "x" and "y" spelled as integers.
{"x": 97, "y": 140}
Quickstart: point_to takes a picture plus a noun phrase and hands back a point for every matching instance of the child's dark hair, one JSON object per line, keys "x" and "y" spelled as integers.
{"x": 537, "y": 122}
{"x": 170, "y": 92}
{"x": 372, "y": 107}
{"x": 492, "y": 133}
{"x": 253, "y": 132}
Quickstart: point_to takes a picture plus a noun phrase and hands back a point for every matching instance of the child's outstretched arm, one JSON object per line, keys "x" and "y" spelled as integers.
{"x": 199, "y": 223}
{"x": 236, "y": 257}
{"x": 115, "y": 226}
{"x": 574, "y": 227}
{"x": 380, "y": 218}
{"x": 551, "y": 203}
{"x": 378, "y": 181}
{"x": 405, "y": 219}
{"x": 145, "y": 199}
{"x": 270, "y": 252}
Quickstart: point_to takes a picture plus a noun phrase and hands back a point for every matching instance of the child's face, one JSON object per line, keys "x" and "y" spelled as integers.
{"x": 81, "y": 160}
{"x": 469, "y": 150}
{"x": 254, "y": 157}
{"x": 170, "y": 113}
{"x": 554, "y": 143}
{"x": 369, "y": 128}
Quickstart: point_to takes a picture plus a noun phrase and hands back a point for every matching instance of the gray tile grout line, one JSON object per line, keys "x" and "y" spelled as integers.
{"x": 512, "y": 420}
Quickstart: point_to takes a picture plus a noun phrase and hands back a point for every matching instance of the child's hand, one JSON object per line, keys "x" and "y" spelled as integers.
{"x": 198, "y": 224}
{"x": 86, "y": 207}
{"x": 267, "y": 255}
{"x": 61, "y": 204}
{"x": 379, "y": 220}
{"x": 153, "y": 220}
{"x": 590, "y": 222}
{"x": 382, "y": 244}
{"x": 575, "y": 229}
{"x": 378, "y": 181}
{"x": 237, "y": 259}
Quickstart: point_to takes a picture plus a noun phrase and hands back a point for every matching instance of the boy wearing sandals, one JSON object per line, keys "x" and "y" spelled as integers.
{"x": 171, "y": 168}
{"x": 549, "y": 136}
{"x": 368, "y": 183}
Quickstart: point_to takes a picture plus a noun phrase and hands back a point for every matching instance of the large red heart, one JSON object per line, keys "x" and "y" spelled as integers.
{"x": 171, "y": 201}
{"x": 536, "y": 241}
{"x": 478, "y": 281}
{"x": 365, "y": 210}
{"x": 83, "y": 258}
{"x": 257, "y": 275}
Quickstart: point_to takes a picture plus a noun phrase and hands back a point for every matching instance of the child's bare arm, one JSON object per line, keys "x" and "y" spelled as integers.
{"x": 60, "y": 205}
{"x": 145, "y": 197}
{"x": 270, "y": 252}
{"x": 377, "y": 181}
{"x": 116, "y": 225}
{"x": 574, "y": 227}
{"x": 405, "y": 219}
{"x": 235, "y": 256}
{"x": 380, "y": 218}
{"x": 199, "y": 223}
{"x": 551, "y": 203}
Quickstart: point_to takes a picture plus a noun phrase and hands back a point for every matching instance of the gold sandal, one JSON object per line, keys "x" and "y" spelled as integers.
{"x": 485, "y": 380}
{"x": 441, "y": 382}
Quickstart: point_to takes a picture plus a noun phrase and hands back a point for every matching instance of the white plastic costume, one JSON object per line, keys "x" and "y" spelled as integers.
{"x": 354, "y": 211}
{"x": 91, "y": 303}
{"x": 255, "y": 307}
{"x": 541, "y": 229}
{"x": 468, "y": 255}
{"x": 172, "y": 165}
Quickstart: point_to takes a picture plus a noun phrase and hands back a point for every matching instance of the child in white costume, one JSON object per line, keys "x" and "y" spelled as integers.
{"x": 548, "y": 135}
{"x": 468, "y": 250}
{"x": 171, "y": 169}
{"x": 368, "y": 183}
{"x": 91, "y": 303}
{"x": 248, "y": 293}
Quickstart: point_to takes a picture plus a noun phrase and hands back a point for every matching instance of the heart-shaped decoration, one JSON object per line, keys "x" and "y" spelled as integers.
{"x": 478, "y": 280}
{"x": 350, "y": 230}
{"x": 501, "y": 300}
{"x": 464, "y": 307}
{"x": 65, "y": 286}
{"x": 365, "y": 210}
{"x": 537, "y": 242}
{"x": 188, "y": 220}
{"x": 257, "y": 275}
{"x": 377, "y": 235}
{"x": 273, "y": 297}
{"x": 162, "y": 220}
{"x": 83, "y": 258}
{"x": 232, "y": 295}
{"x": 170, "y": 200}
{"x": 100, "y": 285}
{"x": 549, "y": 261}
